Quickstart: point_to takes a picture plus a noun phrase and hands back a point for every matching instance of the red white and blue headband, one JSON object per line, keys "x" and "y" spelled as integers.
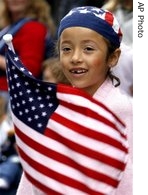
{"x": 99, "y": 20}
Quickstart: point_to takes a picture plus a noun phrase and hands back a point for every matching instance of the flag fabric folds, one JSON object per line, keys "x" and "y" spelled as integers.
{"x": 68, "y": 142}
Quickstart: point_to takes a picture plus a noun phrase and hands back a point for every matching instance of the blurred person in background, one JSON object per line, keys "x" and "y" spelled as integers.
{"x": 52, "y": 71}
{"x": 123, "y": 10}
{"x": 30, "y": 23}
{"x": 10, "y": 167}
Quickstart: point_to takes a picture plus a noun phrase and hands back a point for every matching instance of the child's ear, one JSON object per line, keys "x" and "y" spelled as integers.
{"x": 114, "y": 57}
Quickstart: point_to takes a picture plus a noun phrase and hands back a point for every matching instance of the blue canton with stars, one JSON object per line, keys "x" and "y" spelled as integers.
{"x": 32, "y": 101}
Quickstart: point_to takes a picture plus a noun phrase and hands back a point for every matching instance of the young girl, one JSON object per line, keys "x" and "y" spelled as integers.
{"x": 89, "y": 41}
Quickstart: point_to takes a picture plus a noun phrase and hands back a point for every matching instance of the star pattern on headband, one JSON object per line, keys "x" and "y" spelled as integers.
{"x": 83, "y": 10}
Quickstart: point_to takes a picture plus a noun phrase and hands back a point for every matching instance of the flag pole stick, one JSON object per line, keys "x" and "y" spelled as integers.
{"x": 8, "y": 40}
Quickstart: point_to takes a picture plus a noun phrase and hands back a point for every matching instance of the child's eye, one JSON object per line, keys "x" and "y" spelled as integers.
{"x": 66, "y": 49}
{"x": 88, "y": 49}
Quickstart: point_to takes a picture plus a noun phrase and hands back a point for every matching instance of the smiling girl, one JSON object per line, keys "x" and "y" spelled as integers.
{"x": 89, "y": 47}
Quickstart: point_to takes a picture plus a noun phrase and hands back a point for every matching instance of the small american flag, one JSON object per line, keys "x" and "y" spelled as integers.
{"x": 68, "y": 142}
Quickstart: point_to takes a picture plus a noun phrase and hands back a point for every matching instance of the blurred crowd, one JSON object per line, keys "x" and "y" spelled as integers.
{"x": 33, "y": 24}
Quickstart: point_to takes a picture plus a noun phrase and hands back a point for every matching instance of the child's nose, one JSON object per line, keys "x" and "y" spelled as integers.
{"x": 76, "y": 57}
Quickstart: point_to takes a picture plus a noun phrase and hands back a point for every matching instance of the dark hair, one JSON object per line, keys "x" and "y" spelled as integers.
{"x": 111, "y": 49}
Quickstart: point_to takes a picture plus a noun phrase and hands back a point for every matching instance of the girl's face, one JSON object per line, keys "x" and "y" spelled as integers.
{"x": 83, "y": 56}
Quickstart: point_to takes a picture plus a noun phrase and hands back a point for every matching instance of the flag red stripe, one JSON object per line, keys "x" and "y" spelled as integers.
{"x": 88, "y": 132}
{"x": 41, "y": 186}
{"x": 57, "y": 176}
{"x": 65, "y": 160}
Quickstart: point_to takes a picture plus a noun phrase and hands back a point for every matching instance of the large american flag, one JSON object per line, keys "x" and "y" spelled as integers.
{"x": 69, "y": 143}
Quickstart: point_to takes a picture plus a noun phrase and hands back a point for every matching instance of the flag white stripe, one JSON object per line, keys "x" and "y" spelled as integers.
{"x": 83, "y": 102}
{"x": 115, "y": 25}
